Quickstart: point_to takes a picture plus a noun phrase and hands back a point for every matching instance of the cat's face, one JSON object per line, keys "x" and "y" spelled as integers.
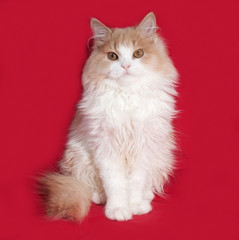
{"x": 125, "y": 60}
{"x": 126, "y": 56}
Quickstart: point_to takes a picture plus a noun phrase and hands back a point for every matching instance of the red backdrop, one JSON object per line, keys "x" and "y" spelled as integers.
{"x": 42, "y": 52}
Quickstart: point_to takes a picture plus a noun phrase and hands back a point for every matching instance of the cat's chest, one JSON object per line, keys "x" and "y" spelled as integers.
{"x": 126, "y": 103}
{"x": 128, "y": 106}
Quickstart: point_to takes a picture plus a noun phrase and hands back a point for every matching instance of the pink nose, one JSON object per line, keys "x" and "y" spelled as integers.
{"x": 126, "y": 66}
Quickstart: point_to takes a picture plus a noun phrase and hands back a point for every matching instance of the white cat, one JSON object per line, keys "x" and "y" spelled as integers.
{"x": 120, "y": 146}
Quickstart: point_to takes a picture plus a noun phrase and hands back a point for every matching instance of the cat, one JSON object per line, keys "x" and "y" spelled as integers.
{"x": 120, "y": 148}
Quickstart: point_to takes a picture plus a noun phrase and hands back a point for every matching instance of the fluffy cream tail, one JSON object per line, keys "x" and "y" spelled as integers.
{"x": 64, "y": 196}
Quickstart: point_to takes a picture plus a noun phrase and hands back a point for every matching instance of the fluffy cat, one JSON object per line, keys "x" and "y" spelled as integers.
{"x": 120, "y": 145}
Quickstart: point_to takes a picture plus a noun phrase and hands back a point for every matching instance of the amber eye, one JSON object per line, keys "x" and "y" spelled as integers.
{"x": 138, "y": 53}
{"x": 112, "y": 56}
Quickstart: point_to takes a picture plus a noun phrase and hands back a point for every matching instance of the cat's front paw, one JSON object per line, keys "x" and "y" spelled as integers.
{"x": 139, "y": 208}
{"x": 118, "y": 213}
{"x": 149, "y": 195}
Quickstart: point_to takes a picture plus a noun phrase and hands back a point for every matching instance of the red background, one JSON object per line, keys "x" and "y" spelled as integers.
{"x": 42, "y": 52}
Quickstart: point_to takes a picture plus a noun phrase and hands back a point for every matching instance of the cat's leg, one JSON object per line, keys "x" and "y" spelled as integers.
{"x": 139, "y": 201}
{"x": 99, "y": 197}
{"x": 148, "y": 194}
{"x": 78, "y": 162}
{"x": 115, "y": 185}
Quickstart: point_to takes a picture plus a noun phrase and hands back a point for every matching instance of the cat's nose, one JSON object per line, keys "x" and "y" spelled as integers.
{"x": 126, "y": 66}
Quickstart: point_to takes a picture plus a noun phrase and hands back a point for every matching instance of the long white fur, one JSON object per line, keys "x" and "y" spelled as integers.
{"x": 122, "y": 148}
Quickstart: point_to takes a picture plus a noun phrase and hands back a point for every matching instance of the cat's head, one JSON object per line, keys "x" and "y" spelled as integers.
{"x": 126, "y": 56}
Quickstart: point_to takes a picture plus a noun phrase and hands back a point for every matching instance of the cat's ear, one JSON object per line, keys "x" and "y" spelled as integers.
{"x": 148, "y": 25}
{"x": 100, "y": 31}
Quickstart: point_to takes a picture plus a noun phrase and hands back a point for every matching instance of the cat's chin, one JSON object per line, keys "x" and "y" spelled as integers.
{"x": 129, "y": 80}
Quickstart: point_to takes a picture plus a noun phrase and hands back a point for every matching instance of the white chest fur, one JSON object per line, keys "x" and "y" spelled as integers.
{"x": 126, "y": 117}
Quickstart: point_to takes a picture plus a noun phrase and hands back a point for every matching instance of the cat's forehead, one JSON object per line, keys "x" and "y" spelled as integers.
{"x": 125, "y": 50}
{"x": 122, "y": 38}
{"x": 125, "y": 36}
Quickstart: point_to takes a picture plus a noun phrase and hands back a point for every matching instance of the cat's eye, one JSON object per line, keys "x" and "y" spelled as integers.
{"x": 138, "y": 53}
{"x": 112, "y": 56}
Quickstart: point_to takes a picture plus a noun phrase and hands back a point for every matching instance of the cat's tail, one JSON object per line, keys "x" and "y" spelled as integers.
{"x": 64, "y": 196}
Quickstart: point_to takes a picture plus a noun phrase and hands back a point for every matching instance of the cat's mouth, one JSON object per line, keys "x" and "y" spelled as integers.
{"x": 126, "y": 73}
